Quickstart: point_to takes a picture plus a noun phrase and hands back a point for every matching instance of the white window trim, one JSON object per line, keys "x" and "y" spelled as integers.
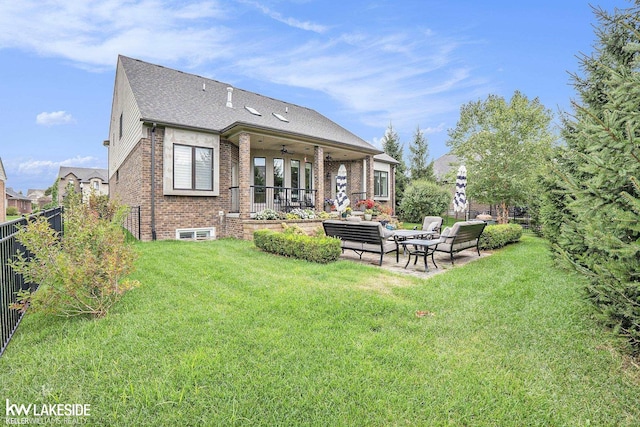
{"x": 195, "y": 231}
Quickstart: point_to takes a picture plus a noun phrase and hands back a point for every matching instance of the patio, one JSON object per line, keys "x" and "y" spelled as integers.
{"x": 443, "y": 261}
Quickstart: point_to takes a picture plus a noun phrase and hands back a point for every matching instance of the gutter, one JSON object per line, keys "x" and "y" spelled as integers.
{"x": 153, "y": 182}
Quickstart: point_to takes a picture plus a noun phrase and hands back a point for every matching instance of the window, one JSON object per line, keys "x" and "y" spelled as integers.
{"x": 381, "y": 184}
{"x": 95, "y": 185}
{"x": 308, "y": 176}
{"x": 295, "y": 179}
{"x": 120, "y": 132}
{"x": 278, "y": 173}
{"x": 192, "y": 168}
{"x": 196, "y": 233}
{"x": 190, "y": 163}
{"x": 259, "y": 179}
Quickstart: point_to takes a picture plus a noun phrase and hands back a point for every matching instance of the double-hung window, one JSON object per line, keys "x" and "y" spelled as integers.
{"x": 192, "y": 168}
{"x": 381, "y": 183}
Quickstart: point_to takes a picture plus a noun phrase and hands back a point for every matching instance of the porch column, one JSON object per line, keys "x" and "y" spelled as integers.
{"x": 318, "y": 176}
{"x": 370, "y": 188}
{"x": 244, "y": 182}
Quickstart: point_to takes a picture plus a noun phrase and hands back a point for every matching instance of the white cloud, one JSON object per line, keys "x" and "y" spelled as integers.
{"x": 54, "y": 118}
{"x": 408, "y": 75}
{"x": 49, "y": 168}
{"x": 292, "y": 22}
{"x": 93, "y": 34}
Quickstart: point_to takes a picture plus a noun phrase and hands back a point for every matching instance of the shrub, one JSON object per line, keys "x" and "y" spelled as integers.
{"x": 424, "y": 198}
{"x": 12, "y": 211}
{"x": 315, "y": 249}
{"x": 298, "y": 213}
{"x": 79, "y": 273}
{"x": 268, "y": 214}
{"x": 497, "y": 236}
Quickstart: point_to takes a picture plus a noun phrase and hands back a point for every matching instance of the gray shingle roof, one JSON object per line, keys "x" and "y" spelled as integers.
{"x": 173, "y": 97}
{"x": 83, "y": 174}
{"x": 443, "y": 165}
{"x": 384, "y": 157}
{"x": 15, "y": 195}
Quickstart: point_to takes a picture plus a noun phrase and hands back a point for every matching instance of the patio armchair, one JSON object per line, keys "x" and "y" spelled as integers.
{"x": 432, "y": 223}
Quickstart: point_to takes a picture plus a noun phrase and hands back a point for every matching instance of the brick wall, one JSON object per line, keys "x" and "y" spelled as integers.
{"x": 354, "y": 177}
{"x": 131, "y": 185}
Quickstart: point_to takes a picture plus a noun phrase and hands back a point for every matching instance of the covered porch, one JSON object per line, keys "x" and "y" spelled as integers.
{"x": 282, "y": 174}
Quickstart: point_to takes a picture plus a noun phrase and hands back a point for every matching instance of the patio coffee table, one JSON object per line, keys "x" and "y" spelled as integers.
{"x": 401, "y": 235}
{"x": 420, "y": 247}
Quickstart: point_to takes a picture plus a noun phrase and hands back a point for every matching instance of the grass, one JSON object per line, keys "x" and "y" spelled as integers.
{"x": 223, "y": 334}
{"x": 447, "y": 221}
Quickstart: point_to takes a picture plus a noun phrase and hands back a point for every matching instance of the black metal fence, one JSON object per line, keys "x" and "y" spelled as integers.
{"x": 281, "y": 199}
{"x": 11, "y": 282}
{"x": 132, "y": 222}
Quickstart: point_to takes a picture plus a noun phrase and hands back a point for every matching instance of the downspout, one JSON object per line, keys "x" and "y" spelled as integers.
{"x": 153, "y": 182}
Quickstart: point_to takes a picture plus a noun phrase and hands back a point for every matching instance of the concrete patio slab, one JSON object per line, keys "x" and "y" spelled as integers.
{"x": 443, "y": 261}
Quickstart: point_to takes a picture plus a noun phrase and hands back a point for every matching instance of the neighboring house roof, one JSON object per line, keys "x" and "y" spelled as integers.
{"x": 83, "y": 174}
{"x": 35, "y": 194}
{"x": 172, "y": 97}
{"x": 12, "y": 194}
{"x": 3, "y": 175}
{"x": 443, "y": 165}
{"x": 384, "y": 157}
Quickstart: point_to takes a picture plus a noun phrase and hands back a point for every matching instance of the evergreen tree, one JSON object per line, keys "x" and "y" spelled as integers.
{"x": 595, "y": 203}
{"x": 419, "y": 165}
{"x": 391, "y": 145}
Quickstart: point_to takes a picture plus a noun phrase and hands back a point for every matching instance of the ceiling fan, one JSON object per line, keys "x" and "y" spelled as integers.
{"x": 284, "y": 150}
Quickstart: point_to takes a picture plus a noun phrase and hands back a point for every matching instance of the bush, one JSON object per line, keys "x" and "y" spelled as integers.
{"x": 423, "y": 198}
{"x": 497, "y": 236}
{"x": 298, "y": 213}
{"x": 12, "y": 211}
{"x": 292, "y": 244}
{"x": 268, "y": 214}
{"x": 79, "y": 273}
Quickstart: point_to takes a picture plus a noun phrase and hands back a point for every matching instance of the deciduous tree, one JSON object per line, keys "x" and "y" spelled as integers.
{"x": 503, "y": 145}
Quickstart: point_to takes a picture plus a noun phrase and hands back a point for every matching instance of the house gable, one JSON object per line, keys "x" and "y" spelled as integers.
{"x": 125, "y": 126}
{"x": 3, "y": 175}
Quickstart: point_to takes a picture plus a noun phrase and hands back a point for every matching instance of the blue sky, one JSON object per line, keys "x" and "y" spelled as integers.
{"x": 362, "y": 63}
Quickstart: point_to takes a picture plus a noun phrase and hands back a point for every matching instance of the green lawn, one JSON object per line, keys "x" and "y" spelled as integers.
{"x": 223, "y": 334}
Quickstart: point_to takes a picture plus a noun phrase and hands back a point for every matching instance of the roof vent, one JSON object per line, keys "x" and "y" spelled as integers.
{"x": 229, "y": 97}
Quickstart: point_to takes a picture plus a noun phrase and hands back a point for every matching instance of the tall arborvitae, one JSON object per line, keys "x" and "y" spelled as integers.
{"x": 596, "y": 194}
{"x": 419, "y": 165}
{"x": 391, "y": 145}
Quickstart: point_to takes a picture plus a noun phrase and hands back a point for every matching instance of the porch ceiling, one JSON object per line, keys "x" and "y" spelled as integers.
{"x": 297, "y": 147}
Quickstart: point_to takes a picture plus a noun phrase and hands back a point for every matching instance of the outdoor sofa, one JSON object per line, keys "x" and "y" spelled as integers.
{"x": 460, "y": 236}
{"x": 362, "y": 236}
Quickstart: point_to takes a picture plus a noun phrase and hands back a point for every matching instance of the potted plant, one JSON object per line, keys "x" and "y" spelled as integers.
{"x": 368, "y": 214}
